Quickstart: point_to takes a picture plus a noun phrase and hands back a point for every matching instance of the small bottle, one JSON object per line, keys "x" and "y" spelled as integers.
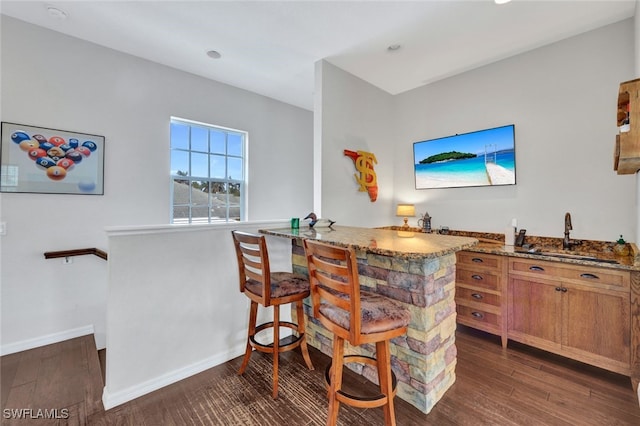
{"x": 621, "y": 248}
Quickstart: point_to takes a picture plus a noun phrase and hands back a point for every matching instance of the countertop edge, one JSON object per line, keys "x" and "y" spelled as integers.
{"x": 500, "y": 250}
{"x": 471, "y": 242}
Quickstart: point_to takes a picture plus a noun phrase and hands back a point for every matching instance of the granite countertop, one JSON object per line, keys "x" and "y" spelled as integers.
{"x": 387, "y": 242}
{"x": 585, "y": 252}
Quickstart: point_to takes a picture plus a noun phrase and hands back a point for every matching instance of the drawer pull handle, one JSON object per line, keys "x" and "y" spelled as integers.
{"x": 477, "y": 315}
{"x": 477, "y": 277}
{"x": 477, "y": 260}
{"x": 536, "y": 268}
{"x": 476, "y": 296}
{"x": 590, "y": 276}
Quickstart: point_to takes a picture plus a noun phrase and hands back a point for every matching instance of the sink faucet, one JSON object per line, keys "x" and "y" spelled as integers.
{"x": 566, "y": 242}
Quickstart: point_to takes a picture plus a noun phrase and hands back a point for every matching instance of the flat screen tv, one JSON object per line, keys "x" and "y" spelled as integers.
{"x": 480, "y": 158}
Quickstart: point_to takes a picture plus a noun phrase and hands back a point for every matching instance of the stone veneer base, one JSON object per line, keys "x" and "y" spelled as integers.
{"x": 424, "y": 359}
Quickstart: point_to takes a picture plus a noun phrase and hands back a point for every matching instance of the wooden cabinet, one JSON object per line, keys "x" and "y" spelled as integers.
{"x": 534, "y": 312}
{"x": 580, "y": 312}
{"x": 627, "y": 148}
{"x": 480, "y": 292}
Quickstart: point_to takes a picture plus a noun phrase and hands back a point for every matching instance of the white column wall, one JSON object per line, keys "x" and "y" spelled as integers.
{"x": 174, "y": 307}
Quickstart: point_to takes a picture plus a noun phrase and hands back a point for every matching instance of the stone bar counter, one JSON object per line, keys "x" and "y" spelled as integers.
{"x": 415, "y": 269}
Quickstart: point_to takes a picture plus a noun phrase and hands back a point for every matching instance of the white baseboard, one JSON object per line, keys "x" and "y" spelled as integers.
{"x": 110, "y": 400}
{"x": 48, "y": 339}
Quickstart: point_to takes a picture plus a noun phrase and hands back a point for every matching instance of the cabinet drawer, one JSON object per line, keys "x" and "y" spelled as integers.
{"x": 479, "y": 260}
{"x": 464, "y": 294}
{"x": 477, "y": 278}
{"x": 467, "y": 314}
{"x": 598, "y": 276}
{"x": 578, "y": 274}
{"x": 539, "y": 267}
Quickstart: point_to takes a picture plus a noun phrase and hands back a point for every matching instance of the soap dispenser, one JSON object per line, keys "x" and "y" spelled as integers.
{"x": 621, "y": 248}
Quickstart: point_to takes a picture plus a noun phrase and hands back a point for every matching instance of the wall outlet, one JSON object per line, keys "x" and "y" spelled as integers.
{"x": 67, "y": 260}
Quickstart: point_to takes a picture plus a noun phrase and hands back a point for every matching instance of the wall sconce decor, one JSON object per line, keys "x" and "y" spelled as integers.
{"x": 364, "y": 161}
{"x": 406, "y": 211}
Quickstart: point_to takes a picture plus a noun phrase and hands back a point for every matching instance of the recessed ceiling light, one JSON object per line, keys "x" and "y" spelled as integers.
{"x": 56, "y": 13}
{"x": 501, "y": 1}
{"x": 214, "y": 54}
{"x": 393, "y": 47}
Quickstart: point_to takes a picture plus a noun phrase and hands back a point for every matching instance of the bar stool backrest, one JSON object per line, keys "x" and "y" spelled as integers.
{"x": 253, "y": 264}
{"x": 333, "y": 276}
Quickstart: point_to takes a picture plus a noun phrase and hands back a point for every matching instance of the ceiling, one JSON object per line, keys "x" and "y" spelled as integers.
{"x": 270, "y": 47}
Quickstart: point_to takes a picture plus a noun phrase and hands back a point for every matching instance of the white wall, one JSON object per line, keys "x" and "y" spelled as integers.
{"x": 56, "y": 81}
{"x": 562, "y": 100}
{"x": 636, "y": 51}
{"x": 174, "y": 307}
{"x": 356, "y": 116}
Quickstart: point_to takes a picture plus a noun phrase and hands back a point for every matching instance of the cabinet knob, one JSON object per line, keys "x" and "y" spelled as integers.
{"x": 564, "y": 290}
{"x": 477, "y": 260}
{"x": 589, "y": 276}
{"x": 477, "y": 277}
{"x": 476, "y": 296}
{"x": 558, "y": 288}
{"x": 536, "y": 268}
{"x": 478, "y": 315}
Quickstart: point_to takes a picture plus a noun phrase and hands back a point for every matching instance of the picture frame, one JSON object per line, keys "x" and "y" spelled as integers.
{"x": 479, "y": 158}
{"x": 42, "y": 160}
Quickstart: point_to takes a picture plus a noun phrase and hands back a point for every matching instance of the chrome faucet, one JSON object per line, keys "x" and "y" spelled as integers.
{"x": 566, "y": 242}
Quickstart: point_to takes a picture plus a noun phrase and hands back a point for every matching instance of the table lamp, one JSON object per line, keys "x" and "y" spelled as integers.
{"x": 405, "y": 210}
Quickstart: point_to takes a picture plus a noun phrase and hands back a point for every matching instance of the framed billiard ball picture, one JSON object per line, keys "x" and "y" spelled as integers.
{"x": 50, "y": 161}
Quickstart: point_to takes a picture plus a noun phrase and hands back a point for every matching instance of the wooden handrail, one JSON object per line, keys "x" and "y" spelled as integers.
{"x": 77, "y": 252}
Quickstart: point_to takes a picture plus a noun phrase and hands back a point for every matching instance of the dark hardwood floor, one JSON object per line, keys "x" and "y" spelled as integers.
{"x": 518, "y": 386}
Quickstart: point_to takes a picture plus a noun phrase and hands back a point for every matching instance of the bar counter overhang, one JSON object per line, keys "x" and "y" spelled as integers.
{"x": 413, "y": 268}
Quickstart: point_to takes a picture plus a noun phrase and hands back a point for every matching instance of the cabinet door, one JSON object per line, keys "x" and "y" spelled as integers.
{"x": 596, "y": 326}
{"x": 535, "y": 312}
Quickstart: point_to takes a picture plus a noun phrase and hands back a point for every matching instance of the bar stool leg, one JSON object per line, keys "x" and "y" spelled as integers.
{"x": 276, "y": 348}
{"x": 336, "y": 380}
{"x": 253, "y": 315}
{"x": 383, "y": 357}
{"x": 301, "y": 331}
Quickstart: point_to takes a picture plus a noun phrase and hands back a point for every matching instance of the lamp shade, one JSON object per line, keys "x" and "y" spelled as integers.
{"x": 406, "y": 210}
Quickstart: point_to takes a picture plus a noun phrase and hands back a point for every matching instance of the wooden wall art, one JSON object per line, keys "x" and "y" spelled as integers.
{"x": 366, "y": 176}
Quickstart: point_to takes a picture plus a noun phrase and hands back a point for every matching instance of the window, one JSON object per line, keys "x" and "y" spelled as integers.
{"x": 207, "y": 172}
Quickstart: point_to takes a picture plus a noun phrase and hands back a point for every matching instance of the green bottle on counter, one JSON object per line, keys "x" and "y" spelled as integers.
{"x": 621, "y": 248}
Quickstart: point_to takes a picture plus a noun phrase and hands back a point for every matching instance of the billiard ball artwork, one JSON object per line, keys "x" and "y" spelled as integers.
{"x": 56, "y": 161}
{"x": 55, "y": 155}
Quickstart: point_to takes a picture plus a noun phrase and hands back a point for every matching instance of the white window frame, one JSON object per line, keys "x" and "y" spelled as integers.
{"x": 243, "y": 183}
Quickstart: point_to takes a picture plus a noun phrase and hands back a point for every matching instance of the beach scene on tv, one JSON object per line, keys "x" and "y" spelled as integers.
{"x": 481, "y": 158}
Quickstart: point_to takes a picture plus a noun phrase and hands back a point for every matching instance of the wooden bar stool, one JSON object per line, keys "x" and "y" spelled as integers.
{"x": 267, "y": 288}
{"x": 356, "y": 316}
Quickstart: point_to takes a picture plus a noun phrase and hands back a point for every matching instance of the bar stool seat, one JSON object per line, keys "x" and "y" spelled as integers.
{"x": 282, "y": 284}
{"x": 379, "y": 314}
{"x": 357, "y": 316}
{"x": 266, "y": 288}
